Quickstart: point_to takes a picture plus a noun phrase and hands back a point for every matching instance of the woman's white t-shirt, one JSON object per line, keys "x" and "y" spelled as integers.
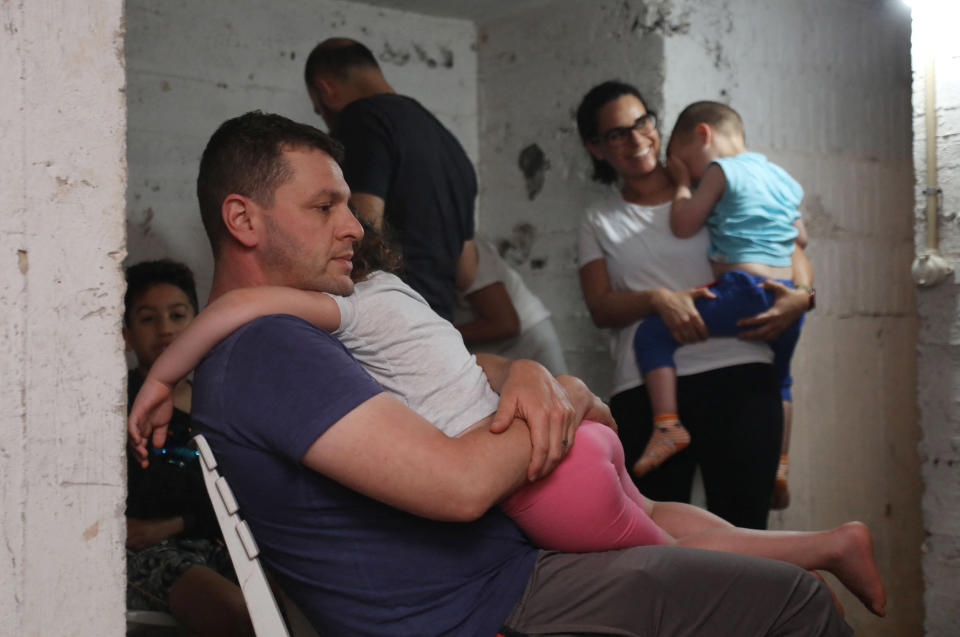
{"x": 641, "y": 253}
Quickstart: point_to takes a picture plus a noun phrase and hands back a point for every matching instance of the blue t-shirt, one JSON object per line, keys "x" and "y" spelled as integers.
{"x": 753, "y": 221}
{"x": 354, "y": 565}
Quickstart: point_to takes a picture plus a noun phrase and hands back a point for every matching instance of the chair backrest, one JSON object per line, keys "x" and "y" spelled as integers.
{"x": 263, "y": 609}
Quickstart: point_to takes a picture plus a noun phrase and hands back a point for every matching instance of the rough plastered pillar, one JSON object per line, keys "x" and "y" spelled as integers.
{"x": 938, "y": 349}
{"x": 62, "y": 174}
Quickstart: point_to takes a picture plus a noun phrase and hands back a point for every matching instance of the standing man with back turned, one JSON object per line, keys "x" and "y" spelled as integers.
{"x": 405, "y": 169}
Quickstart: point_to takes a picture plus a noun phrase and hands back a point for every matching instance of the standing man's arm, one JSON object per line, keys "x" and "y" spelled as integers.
{"x": 369, "y": 208}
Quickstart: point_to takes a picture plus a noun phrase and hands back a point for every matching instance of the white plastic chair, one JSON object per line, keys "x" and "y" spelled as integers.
{"x": 264, "y": 612}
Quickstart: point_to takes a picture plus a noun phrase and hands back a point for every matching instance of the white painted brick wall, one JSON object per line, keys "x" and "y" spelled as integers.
{"x": 190, "y": 66}
{"x": 62, "y": 420}
{"x": 938, "y": 356}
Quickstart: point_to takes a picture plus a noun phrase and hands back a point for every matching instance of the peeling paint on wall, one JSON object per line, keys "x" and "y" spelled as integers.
{"x": 533, "y": 164}
{"x": 516, "y": 250}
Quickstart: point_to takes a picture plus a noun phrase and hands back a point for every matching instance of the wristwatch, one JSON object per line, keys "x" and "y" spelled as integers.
{"x": 812, "y": 296}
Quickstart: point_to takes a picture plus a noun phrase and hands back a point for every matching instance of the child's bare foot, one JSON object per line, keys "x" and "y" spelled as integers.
{"x": 668, "y": 438}
{"x": 855, "y": 567}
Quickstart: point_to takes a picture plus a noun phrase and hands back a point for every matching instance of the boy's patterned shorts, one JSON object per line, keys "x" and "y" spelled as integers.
{"x": 152, "y": 571}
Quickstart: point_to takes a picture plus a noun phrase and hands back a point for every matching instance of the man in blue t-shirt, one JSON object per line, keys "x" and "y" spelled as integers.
{"x": 406, "y": 171}
{"x": 373, "y": 521}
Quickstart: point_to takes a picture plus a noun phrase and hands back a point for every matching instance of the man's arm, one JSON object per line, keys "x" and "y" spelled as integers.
{"x": 386, "y": 451}
{"x": 369, "y": 208}
{"x": 552, "y": 408}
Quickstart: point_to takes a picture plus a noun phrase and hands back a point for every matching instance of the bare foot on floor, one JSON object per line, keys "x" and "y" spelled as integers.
{"x": 855, "y": 567}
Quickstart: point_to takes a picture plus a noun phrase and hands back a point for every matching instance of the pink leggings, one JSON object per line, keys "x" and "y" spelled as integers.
{"x": 589, "y": 503}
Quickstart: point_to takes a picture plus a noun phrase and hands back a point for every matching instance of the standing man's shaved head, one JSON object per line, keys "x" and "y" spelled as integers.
{"x": 339, "y": 71}
{"x": 408, "y": 174}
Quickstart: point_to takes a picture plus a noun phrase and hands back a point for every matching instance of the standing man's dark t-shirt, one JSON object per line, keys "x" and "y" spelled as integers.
{"x": 398, "y": 151}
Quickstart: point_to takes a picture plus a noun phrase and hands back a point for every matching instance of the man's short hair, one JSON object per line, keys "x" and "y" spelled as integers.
{"x": 144, "y": 275}
{"x": 335, "y": 57}
{"x": 245, "y": 157}
{"x": 715, "y": 114}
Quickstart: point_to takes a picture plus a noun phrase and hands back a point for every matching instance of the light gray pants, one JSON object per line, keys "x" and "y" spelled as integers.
{"x": 670, "y": 591}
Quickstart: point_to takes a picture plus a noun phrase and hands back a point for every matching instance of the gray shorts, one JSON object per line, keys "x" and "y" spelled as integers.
{"x": 669, "y": 590}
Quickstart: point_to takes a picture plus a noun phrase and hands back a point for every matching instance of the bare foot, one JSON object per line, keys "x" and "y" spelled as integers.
{"x": 855, "y": 567}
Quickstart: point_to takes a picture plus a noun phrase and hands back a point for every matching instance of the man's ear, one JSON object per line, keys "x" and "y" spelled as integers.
{"x": 240, "y": 217}
{"x": 127, "y": 346}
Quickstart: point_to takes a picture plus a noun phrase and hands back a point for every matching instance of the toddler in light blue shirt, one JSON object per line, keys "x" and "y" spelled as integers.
{"x": 749, "y": 206}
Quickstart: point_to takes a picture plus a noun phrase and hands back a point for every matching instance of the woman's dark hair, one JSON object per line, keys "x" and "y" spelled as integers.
{"x": 595, "y": 99}
{"x": 372, "y": 253}
{"x": 144, "y": 275}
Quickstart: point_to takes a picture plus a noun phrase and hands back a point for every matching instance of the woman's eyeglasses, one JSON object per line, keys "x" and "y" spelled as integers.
{"x": 619, "y": 135}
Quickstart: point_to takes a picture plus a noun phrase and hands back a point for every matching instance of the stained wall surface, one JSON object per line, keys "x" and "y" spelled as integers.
{"x": 938, "y": 359}
{"x": 824, "y": 89}
{"x": 61, "y": 400}
{"x": 191, "y": 65}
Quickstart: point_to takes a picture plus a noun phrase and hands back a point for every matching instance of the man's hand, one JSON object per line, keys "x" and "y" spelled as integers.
{"x": 530, "y": 393}
{"x": 143, "y": 534}
{"x": 593, "y": 408}
{"x": 680, "y": 315}
{"x": 149, "y": 417}
{"x": 790, "y": 304}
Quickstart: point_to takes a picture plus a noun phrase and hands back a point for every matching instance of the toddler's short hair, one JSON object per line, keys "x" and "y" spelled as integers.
{"x": 715, "y": 114}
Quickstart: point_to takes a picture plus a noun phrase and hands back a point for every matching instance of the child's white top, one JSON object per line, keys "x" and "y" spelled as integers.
{"x": 641, "y": 253}
{"x": 753, "y": 221}
{"x": 416, "y": 355}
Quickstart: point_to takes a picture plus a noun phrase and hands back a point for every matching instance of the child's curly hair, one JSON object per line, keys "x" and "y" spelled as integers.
{"x": 372, "y": 253}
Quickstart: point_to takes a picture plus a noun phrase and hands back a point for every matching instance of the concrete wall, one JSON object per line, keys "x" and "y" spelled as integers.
{"x": 938, "y": 359}
{"x": 61, "y": 421}
{"x": 192, "y": 65}
{"x": 823, "y": 87}
{"x": 534, "y": 67}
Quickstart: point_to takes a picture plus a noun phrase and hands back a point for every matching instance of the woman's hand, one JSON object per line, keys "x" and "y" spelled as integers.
{"x": 142, "y": 534}
{"x": 790, "y": 304}
{"x": 680, "y": 314}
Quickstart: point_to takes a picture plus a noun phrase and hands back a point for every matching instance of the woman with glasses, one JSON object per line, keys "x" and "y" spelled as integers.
{"x": 631, "y": 266}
